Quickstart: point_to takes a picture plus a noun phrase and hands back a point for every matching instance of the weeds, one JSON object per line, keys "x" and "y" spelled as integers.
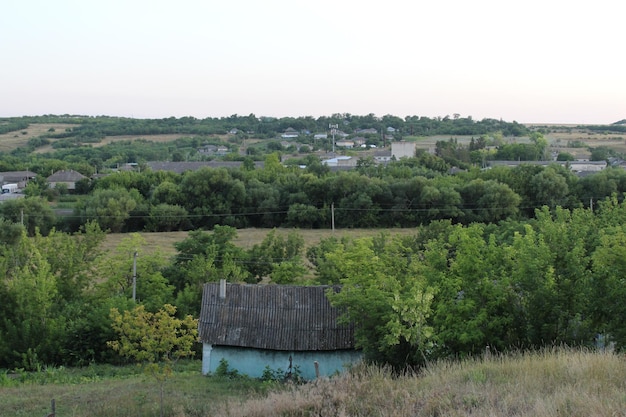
{"x": 557, "y": 382}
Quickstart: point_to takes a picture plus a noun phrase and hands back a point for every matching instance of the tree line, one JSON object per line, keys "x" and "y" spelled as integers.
{"x": 448, "y": 290}
{"x": 263, "y": 127}
{"x": 405, "y": 193}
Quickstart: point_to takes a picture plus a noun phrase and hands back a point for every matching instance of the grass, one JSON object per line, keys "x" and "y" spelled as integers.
{"x": 108, "y": 391}
{"x": 247, "y": 238}
{"x": 549, "y": 383}
{"x": 12, "y": 140}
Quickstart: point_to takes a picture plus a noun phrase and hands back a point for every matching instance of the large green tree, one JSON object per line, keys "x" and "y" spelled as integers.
{"x": 109, "y": 207}
{"x": 386, "y": 298}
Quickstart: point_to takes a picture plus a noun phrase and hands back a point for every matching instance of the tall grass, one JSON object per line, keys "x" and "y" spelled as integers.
{"x": 547, "y": 383}
{"x": 109, "y": 391}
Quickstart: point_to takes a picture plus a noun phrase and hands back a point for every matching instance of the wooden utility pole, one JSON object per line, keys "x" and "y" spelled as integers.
{"x": 135, "y": 276}
{"x": 53, "y": 409}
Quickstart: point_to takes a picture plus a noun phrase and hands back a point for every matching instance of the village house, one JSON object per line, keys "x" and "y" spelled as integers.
{"x": 403, "y": 149}
{"x": 67, "y": 177}
{"x": 20, "y": 178}
{"x": 344, "y": 143}
{"x": 290, "y": 133}
{"x": 258, "y": 327}
{"x": 579, "y": 167}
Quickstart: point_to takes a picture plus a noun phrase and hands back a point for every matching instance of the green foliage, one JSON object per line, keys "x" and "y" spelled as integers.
{"x": 387, "y": 299}
{"x": 156, "y": 340}
{"x": 274, "y": 251}
{"x": 205, "y": 257}
{"x": 223, "y": 370}
{"x": 110, "y": 208}
{"x": 166, "y": 218}
{"x": 34, "y": 213}
{"x": 117, "y": 268}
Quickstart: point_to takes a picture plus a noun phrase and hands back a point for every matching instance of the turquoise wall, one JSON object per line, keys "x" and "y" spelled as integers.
{"x": 252, "y": 362}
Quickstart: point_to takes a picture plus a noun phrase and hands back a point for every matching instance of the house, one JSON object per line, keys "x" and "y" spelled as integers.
{"x": 348, "y": 144}
{"x": 290, "y": 133}
{"x": 359, "y": 140}
{"x": 403, "y": 149}
{"x": 579, "y": 167}
{"x": 20, "y": 178}
{"x": 339, "y": 163}
{"x": 256, "y": 327}
{"x": 69, "y": 178}
{"x": 382, "y": 156}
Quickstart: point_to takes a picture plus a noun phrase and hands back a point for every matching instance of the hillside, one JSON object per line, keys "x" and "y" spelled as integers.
{"x": 556, "y": 383}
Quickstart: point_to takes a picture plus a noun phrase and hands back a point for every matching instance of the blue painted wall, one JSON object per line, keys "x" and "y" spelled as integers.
{"x": 252, "y": 362}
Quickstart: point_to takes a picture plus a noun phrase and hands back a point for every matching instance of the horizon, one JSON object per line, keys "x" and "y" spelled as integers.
{"x": 259, "y": 116}
{"x": 533, "y": 63}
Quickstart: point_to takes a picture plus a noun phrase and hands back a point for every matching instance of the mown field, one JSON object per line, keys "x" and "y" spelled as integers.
{"x": 550, "y": 383}
{"x": 247, "y": 238}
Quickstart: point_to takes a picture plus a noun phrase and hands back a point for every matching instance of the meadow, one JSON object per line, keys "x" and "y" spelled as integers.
{"x": 163, "y": 242}
{"x": 548, "y": 383}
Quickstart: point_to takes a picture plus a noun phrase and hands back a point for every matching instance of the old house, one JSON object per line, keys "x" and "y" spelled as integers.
{"x": 290, "y": 133}
{"x": 285, "y": 327}
{"x": 69, "y": 178}
{"x": 20, "y": 178}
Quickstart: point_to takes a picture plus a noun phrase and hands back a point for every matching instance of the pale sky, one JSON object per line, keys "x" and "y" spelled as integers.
{"x": 533, "y": 61}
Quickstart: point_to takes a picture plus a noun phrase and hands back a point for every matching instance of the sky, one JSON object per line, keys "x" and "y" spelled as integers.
{"x": 536, "y": 61}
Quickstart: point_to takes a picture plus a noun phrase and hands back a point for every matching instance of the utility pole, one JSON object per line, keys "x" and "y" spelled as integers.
{"x": 135, "y": 276}
{"x": 333, "y": 130}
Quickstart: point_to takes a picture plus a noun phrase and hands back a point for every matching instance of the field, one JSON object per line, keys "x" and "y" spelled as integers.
{"x": 12, "y": 140}
{"x": 247, "y": 238}
{"x": 558, "y": 136}
{"x": 549, "y": 383}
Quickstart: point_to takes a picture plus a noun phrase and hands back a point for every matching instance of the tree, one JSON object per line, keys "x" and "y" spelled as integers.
{"x": 488, "y": 201}
{"x": 34, "y": 213}
{"x": 274, "y": 250}
{"x": 213, "y": 196}
{"x": 110, "y": 208}
{"x": 471, "y": 308}
{"x": 32, "y": 327}
{"x": 118, "y": 267}
{"x": 387, "y": 299}
{"x": 157, "y": 340}
{"x": 167, "y": 217}
{"x": 609, "y": 284}
{"x": 548, "y": 188}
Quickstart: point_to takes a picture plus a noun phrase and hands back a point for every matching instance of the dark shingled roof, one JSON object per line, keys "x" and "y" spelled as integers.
{"x": 276, "y": 317}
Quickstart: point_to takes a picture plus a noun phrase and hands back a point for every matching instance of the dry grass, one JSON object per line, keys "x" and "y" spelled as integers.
{"x": 246, "y": 238}
{"x": 551, "y": 383}
{"x": 13, "y": 140}
{"x": 555, "y": 383}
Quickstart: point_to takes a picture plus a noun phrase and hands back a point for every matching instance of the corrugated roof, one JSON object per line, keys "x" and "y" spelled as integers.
{"x": 276, "y": 317}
